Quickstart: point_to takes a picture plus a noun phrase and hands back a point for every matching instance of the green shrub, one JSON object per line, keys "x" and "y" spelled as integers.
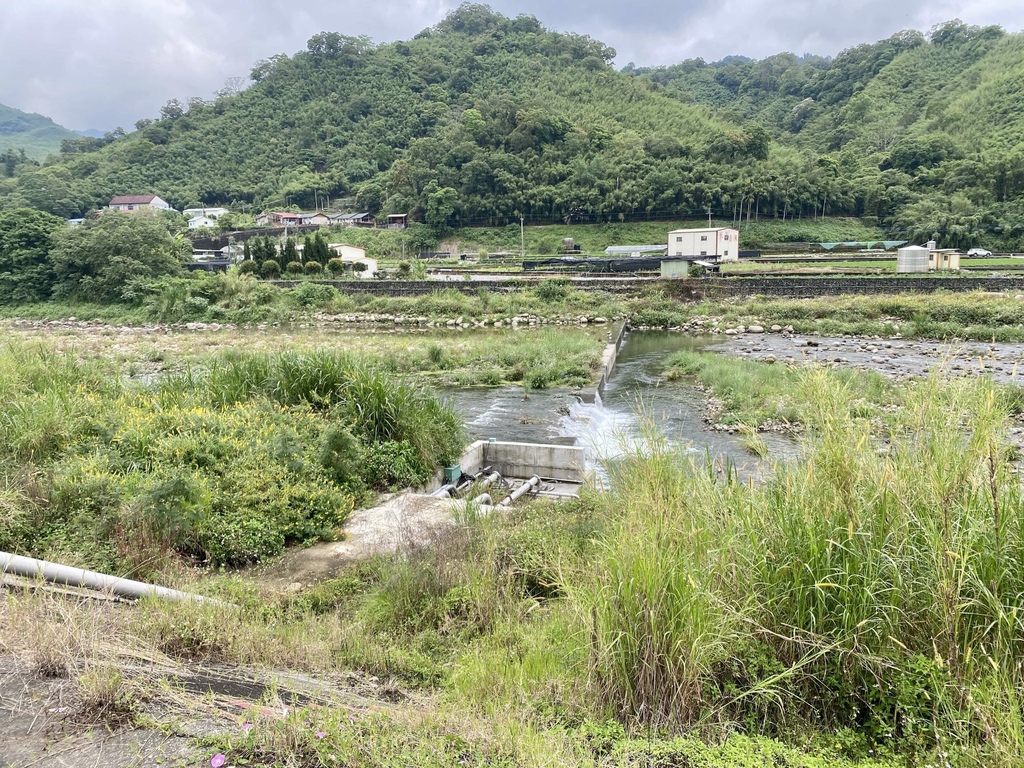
{"x": 392, "y": 465}
{"x": 552, "y": 290}
{"x": 336, "y": 267}
{"x": 270, "y": 268}
{"x": 248, "y": 267}
{"x": 293, "y": 268}
{"x": 313, "y": 295}
{"x": 313, "y": 268}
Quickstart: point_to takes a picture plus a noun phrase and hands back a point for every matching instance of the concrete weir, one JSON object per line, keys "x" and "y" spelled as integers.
{"x": 558, "y": 463}
{"x": 611, "y": 353}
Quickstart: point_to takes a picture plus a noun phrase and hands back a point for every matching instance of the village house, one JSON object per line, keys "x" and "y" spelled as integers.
{"x": 278, "y": 218}
{"x": 196, "y": 222}
{"x": 398, "y": 220}
{"x": 316, "y": 219}
{"x": 210, "y": 213}
{"x": 132, "y": 203}
{"x": 350, "y": 254}
{"x": 352, "y": 220}
{"x": 722, "y": 243}
{"x": 285, "y": 219}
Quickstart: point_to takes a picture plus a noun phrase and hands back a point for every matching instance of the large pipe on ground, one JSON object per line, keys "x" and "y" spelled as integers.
{"x": 523, "y": 489}
{"x": 55, "y": 573}
{"x": 484, "y": 499}
{"x": 445, "y": 491}
{"x": 490, "y": 480}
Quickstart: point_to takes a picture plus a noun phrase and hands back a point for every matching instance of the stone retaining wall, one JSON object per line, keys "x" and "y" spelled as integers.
{"x": 810, "y": 287}
{"x": 697, "y": 288}
{"x": 468, "y": 287}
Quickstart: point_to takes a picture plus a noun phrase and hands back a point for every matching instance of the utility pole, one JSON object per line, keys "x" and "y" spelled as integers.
{"x": 709, "y": 217}
{"x": 522, "y": 238}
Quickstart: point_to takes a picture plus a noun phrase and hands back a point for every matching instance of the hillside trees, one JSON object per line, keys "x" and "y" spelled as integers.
{"x": 483, "y": 119}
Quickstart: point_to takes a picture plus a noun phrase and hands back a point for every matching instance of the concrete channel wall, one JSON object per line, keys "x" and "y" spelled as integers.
{"x": 696, "y": 288}
{"x": 566, "y": 463}
{"x": 611, "y": 353}
{"x": 468, "y": 287}
{"x": 811, "y": 287}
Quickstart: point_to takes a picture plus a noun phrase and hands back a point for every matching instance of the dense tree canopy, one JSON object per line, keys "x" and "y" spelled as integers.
{"x": 101, "y": 260}
{"x": 26, "y": 237}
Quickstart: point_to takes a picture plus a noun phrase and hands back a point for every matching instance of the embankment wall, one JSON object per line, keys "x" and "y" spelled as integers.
{"x": 699, "y": 288}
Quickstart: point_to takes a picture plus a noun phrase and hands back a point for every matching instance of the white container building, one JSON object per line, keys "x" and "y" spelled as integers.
{"x": 722, "y": 243}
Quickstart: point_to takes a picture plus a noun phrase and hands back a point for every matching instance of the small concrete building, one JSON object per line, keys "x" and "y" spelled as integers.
{"x": 944, "y": 259}
{"x": 210, "y": 213}
{"x": 722, "y": 243}
{"x": 675, "y": 268}
{"x": 351, "y": 254}
{"x": 198, "y": 222}
{"x": 317, "y": 219}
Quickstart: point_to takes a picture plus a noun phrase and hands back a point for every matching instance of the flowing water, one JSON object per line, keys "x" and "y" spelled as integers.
{"x": 638, "y": 403}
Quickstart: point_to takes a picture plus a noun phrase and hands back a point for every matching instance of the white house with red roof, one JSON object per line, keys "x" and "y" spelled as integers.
{"x": 132, "y": 203}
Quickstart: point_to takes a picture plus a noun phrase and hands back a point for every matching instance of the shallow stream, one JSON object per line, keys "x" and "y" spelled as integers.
{"x": 638, "y": 403}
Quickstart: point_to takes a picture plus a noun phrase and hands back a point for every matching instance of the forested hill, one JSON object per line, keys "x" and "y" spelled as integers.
{"x": 482, "y": 119}
{"x": 36, "y": 135}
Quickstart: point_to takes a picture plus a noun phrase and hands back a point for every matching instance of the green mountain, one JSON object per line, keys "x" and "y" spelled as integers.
{"x": 483, "y": 119}
{"x": 38, "y": 136}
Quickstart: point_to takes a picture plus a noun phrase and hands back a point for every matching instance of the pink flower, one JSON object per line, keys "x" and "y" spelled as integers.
{"x": 320, "y": 734}
{"x": 218, "y": 760}
{"x": 247, "y": 727}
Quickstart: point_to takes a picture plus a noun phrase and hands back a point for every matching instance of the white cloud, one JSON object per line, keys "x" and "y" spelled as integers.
{"x": 110, "y": 62}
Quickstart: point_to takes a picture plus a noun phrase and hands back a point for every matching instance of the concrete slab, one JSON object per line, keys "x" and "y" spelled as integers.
{"x": 400, "y": 524}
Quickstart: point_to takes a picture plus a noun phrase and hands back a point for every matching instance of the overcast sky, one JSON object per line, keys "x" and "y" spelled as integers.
{"x": 107, "y": 63}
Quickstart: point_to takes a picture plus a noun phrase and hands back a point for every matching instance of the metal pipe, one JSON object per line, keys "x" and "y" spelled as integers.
{"x": 444, "y": 491}
{"x": 79, "y": 577}
{"x": 526, "y": 487}
{"x": 483, "y": 498}
{"x": 490, "y": 480}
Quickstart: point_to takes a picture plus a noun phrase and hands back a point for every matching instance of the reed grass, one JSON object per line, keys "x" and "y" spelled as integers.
{"x": 875, "y": 585}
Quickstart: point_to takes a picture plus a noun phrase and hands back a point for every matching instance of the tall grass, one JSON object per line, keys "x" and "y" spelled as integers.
{"x": 876, "y": 585}
{"x": 378, "y": 406}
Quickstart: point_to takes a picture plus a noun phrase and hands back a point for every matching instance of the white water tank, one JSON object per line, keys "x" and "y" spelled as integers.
{"x": 912, "y": 258}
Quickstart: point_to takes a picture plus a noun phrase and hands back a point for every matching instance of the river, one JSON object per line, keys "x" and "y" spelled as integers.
{"x": 638, "y": 403}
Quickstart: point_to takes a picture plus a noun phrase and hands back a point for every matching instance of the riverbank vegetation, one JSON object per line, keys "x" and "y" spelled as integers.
{"x": 225, "y": 464}
{"x": 756, "y": 394}
{"x": 539, "y": 356}
{"x": 941, "y": 316}
{"x": 859, "y": 607}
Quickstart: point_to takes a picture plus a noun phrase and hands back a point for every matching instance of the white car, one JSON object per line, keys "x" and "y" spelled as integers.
{"x": 979, "y": 252}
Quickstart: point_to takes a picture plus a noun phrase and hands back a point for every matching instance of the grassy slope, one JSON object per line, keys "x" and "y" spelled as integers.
{"x": 37, "y": 135}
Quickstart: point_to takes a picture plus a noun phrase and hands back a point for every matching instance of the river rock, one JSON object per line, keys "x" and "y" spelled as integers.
{"x": 755, "y": 329}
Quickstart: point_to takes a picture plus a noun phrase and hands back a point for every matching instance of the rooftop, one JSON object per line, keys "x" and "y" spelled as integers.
{"x": 132, "y": 200}
{"x": 627, "y": 249}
